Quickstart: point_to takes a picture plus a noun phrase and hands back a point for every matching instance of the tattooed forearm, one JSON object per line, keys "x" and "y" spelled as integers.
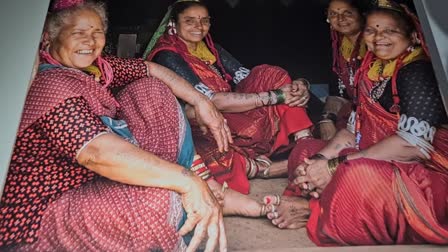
{"x": 349, "y": 144}
{"x": 172, "y": 76}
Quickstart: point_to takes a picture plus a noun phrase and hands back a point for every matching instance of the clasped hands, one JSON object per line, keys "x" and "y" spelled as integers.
{"x": 312, "y": 176}
{"x": 296, "y": 93}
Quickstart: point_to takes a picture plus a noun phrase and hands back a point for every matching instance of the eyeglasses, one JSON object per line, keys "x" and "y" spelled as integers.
{"x": 368, "y": 31}
{"x": 345, "y": 14}
{"x": 205, "y": 21}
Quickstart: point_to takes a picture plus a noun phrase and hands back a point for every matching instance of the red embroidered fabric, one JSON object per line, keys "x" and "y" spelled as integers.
{"x": 259, "y": 131}
{"x": 61, "y": 115}
{"x": 372, "y": 202}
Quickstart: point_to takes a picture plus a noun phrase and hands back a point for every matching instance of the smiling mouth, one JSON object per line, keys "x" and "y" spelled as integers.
{"x": 382, "y": 45}
{"x": 84, "y": 52}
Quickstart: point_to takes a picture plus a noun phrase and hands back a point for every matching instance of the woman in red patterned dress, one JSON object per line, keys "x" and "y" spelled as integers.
{"x": 384, "y": 179}
{"x": 79, "y": 180}
{"x": 263, "y": 106}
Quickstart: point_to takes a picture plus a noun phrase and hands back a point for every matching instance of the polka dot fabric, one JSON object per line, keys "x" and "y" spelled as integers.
{"x": 145, "y": 106}
{"x": 126, "y": 70}
{"x": 419, "y": 93}
{"x": 43, "y": 166}
{"x": 51, "y": 203}
{"x": 109, "y": 216}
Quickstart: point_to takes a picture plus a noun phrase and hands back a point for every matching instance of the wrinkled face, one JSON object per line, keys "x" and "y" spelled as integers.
{"x": 193, "y": 25}
{"x": 80, "y": 41}
{"x": 384, "y": 37}
{"x": 344, "y": 18}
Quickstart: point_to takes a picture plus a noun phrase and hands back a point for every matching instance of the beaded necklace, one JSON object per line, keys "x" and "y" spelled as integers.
{"x": 352, "y": 55}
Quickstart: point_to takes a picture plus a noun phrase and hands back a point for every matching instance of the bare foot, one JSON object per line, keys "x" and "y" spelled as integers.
{"x": 235, "y": 203}
{"x": 289, "y": 213}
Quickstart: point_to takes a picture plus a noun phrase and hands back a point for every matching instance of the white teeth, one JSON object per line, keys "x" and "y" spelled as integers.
{"x": 84, "y": 51}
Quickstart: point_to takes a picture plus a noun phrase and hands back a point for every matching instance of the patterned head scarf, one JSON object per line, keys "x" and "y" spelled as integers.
{"x": 162, "y": 28}
{"x": 64, "y": 4}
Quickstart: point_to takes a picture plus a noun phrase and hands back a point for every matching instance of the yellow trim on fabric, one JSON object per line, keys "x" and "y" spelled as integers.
{"x": 203, "y": 53}
{"x": 346, "y": 49}
{"x": 380, "y": 71}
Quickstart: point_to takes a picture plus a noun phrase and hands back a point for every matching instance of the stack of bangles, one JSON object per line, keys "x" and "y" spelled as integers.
{"x": 199, "y": 168}
{"x": 333, "y": 163}
{"x": 274, "y": 97}
{"x": 328, "y": 117}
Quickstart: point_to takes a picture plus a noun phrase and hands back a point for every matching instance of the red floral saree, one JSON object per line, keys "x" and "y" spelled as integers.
{"x": 260, "y": 131}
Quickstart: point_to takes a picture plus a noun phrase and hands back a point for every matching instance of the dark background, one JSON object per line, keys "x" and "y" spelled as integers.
{"x": 292, "y": 34}
{"x": 295, "y": 37}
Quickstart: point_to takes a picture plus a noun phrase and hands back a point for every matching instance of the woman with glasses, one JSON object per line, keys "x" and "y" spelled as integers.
{"x": 346, "y": 23}
{"x": 383, "y": 180}
{"x": 263, "y": 106}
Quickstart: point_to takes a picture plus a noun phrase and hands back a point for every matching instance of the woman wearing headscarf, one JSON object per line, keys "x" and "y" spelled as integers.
{"x": 79, "y": 178}
{"x": 263, "y": 107}
{"x": 346, "y": 19}
{"x": 383, "y": 179}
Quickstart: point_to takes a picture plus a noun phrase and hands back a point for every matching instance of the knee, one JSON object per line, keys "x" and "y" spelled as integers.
{"x": 364, "y": 178}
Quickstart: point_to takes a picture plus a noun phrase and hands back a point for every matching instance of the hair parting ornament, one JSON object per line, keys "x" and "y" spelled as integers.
{"x": 387, "y": 4}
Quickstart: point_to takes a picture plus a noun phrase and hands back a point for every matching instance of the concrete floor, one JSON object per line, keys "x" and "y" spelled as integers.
{"x": 245, "y": 234}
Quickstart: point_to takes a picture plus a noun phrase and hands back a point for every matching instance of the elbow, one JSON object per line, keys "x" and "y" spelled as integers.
{"x": 89, "y": 156}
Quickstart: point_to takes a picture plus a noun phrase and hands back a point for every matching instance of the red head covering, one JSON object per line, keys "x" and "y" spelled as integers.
{"x": 64, "y": 4}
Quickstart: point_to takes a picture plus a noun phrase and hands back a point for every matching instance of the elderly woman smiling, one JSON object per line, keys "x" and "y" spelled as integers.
{"x": 383, "y": 179}
{"x": 79, "y": 180}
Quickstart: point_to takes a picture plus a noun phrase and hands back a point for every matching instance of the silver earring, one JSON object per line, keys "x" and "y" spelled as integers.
{"x": 418, "y": 41}
{"x": 172, "y": 27}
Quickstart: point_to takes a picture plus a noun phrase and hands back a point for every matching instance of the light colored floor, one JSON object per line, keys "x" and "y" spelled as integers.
{"x": 245, "y": 234}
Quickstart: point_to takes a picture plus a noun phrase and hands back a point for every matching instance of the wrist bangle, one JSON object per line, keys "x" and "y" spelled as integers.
{"x": 318, "y": 156}
{"x": 333, "y": 163}
{"x": 330, "y": 116}
{"x": 324, "y": 121}
{"x": 280, "y": 96}
{"x": 200, "y": 169}
{"x": 269, "y": 98}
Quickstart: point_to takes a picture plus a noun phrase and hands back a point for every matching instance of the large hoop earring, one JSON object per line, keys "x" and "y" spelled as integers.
{"x": 172, "y": 27}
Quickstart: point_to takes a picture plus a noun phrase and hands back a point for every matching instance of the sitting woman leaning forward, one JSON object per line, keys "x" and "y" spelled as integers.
{"x": 262, "y": 107}
{"x": 80, "y": 180}
{"x": 384, "y": 179}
